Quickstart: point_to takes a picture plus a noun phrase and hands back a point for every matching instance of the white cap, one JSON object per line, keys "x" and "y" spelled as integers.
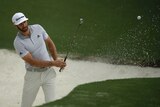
{"x": 18, "y": 18}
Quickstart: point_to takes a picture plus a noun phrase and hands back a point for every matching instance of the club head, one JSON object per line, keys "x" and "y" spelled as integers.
{"x": 81, "y": 20}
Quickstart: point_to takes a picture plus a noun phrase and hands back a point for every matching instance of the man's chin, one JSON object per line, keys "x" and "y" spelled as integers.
{"x": 24, "y": 30}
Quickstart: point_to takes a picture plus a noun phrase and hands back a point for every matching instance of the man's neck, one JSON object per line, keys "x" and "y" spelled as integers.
{"x": 27, "y": 33}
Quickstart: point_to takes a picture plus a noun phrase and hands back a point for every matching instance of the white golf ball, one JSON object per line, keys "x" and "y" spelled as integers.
{"x": 138, "y": 17}
{"x": 81, "y": 20}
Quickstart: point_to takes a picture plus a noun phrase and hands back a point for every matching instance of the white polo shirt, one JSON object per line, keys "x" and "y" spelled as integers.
{"x": 34, "y": 44}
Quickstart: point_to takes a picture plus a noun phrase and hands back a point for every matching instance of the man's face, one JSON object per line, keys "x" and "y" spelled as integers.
{"x": 23, "y": 27}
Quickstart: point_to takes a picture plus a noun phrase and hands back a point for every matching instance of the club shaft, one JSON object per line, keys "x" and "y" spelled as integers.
{"x": 64, "y": 61}
{"x": 71, "y": 45}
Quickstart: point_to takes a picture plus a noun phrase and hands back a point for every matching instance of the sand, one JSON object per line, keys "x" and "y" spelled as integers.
{"x": 12, "y": 72}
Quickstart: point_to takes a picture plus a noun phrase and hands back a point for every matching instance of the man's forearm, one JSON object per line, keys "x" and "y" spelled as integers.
{"x": 40, "y": 63}
{"x": 53, "y": 52}
{"x": 52, "y": 48}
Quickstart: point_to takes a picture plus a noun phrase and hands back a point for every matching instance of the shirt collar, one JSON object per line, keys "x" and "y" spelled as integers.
{"x": 22, "y": 36}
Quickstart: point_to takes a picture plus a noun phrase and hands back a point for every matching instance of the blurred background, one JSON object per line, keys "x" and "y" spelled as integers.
{"x": 110, "y": 32}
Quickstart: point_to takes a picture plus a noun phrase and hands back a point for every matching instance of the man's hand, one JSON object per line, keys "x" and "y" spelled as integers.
{"x": 59, "y": 63}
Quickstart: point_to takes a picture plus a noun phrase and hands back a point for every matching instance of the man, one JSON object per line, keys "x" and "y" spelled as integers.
{"x": 30, "y": 43}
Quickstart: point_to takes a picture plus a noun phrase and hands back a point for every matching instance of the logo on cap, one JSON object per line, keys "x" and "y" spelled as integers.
{"x": 19, "y": 18}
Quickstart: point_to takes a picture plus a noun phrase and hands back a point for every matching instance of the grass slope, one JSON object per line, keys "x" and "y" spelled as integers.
{"x": 113, "y": 93}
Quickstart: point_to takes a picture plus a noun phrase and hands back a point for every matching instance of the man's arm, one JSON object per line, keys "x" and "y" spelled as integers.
{"x": 40, "y": 63}
{"x": 51, "y": 47}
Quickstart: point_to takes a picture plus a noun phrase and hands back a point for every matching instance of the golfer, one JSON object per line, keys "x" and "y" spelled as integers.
{"x": 31, "y": 43}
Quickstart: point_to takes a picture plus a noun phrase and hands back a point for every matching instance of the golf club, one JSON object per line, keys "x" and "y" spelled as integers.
{"x": 71, "y": 43}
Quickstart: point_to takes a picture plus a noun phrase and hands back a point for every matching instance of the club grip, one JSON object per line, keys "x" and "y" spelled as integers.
{"x": 64, "y": 61}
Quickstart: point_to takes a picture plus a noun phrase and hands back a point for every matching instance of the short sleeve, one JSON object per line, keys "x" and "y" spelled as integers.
{"x": 20, "y": 49}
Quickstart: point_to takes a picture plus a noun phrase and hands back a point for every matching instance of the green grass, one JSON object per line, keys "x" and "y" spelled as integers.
{"x": 113, "y": 93}
{"x": 110, "y": 28}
